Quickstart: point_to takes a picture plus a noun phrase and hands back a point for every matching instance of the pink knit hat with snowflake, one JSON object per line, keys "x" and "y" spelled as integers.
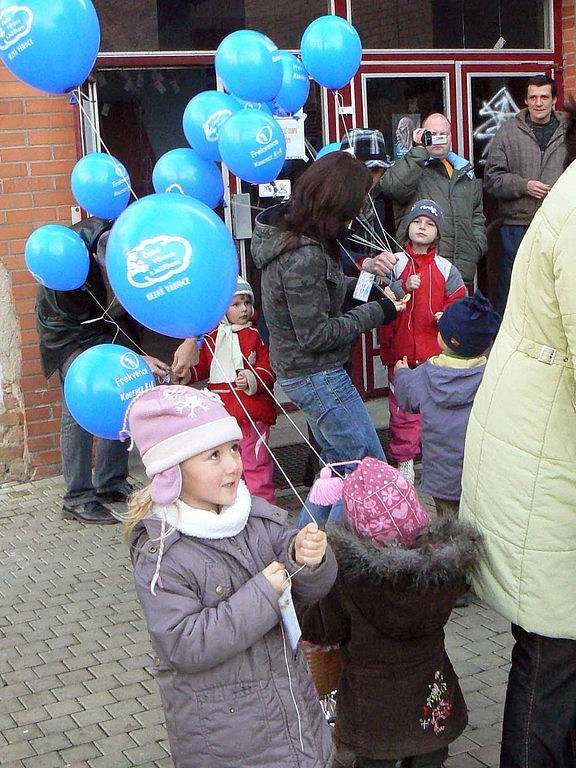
{"x": 382, "y": 505}
{"x": 170, "y": 424}
{"x": 379, "y": 502}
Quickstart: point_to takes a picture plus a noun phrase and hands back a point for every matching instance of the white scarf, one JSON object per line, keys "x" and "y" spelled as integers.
{"x": 227, "y": 352}
{"x": 205, "y": 524}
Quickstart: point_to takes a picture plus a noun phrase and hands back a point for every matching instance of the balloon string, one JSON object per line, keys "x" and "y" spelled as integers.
{"x": 107, "y": 317}
{"x": 119, "y": 170}
{"x": 261, "y": 437}
{"x": 270, "y": 392}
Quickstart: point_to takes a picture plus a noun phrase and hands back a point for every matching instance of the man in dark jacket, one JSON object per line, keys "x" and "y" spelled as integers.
{"x": 434, "y": 172}
{"x": 68, "y": 323}
{"x": 526, "y": 158}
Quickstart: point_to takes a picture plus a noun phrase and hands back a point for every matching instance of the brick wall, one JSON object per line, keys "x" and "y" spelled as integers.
{"x": 568, "y": 46}
{"x": 37, "y": 153}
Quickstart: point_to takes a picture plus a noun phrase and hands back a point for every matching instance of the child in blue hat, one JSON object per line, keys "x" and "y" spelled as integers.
{"x": 442, "y": 391}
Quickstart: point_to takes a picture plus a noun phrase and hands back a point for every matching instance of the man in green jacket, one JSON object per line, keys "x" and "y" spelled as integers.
{"x": 526, "y": 158}
{"x": 434, "y": 172}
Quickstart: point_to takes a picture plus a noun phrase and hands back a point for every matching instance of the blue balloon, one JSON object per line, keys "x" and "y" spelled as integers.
{"x": 101, "y": 185}
{"x": 203, "y": 119}
{"x": 50, "y": 44}
{"x": 331, "y": 51}
{"x": 295, "y": 85}
{"x": 172, "y": 264}
{"x": 57, "y": 257}
{"x": 187, "y": 172}
{"x": 332, "y": 147}
{"x": 248, "y": 64}
{"x": 253, "y": 146}
{"x": 100, "y": 384}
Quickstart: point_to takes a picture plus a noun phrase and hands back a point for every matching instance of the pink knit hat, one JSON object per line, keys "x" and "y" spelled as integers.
{"x": 169, "y": 424}
{"x": 381, "y": 504}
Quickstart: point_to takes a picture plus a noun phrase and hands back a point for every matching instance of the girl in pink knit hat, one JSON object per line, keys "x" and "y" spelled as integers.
{"x": 215, "y": 571}
{"x": 399, "y": 576}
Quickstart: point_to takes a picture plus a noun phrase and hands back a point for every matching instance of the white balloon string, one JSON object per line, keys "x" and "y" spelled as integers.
{"x": 339, "y": 99}
{"x": 118, "y": 167}
{"x": 279, "y": 404}
{"x": 365, "y": 243}
{"x": 262, "y": 440}
{"x": 109, "y": 319}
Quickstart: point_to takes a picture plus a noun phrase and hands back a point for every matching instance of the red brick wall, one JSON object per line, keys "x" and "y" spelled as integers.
{"x": 37, "y": 153}
{"x": 568, "y": 46}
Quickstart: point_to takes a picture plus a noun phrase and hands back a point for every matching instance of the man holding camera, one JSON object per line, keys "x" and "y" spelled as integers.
{"x": 430, "y": 170}
{"x": 526, "y": 158}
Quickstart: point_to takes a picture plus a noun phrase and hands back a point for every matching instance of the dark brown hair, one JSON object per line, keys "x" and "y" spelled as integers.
{"x": 541, "y": 80}
{"x": 325, "y": 199}
{"x": 570, "y": 140}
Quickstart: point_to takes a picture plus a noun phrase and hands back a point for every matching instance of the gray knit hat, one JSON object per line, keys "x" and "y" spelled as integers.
{"x": 427, "y": 208}
{"x": 243, "y": 286}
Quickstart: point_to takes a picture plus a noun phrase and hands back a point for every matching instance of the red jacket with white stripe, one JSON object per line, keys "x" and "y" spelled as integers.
{"x": 415, "y": 330}
{"x": 259, "y": 404}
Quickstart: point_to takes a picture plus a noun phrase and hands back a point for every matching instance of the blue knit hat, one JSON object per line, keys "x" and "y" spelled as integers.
{"x": 469, "y": 325}
{"x": 244, "y": 287}
{"x": 427, "y": 208}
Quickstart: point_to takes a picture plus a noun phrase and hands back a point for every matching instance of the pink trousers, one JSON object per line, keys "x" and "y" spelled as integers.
{"x": 404, "y": 427}
{"x": 258, "y": 464}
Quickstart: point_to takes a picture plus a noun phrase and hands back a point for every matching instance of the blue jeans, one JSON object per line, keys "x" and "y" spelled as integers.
{"x": 339, "y": 421}
{"x": 111, "y": 460}
{"x": 539, "y": 728}
{"x": 511, "y": 236}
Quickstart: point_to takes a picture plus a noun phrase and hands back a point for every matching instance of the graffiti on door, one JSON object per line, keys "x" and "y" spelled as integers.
{"x": 496, "y": 111}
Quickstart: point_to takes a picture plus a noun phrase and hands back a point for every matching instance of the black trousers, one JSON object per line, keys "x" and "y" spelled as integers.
{"x": 539, "y": 729}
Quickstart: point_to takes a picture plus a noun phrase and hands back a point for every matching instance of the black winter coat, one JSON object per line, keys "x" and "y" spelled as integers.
{"x": 60, "y": 314}
{"x": 398, "y": 694}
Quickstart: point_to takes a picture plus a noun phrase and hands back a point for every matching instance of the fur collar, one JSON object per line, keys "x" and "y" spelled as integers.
{"x": 449, "y": 552}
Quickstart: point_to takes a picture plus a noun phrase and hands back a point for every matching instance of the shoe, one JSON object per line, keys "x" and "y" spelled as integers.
{"x": 117, "y": 496}
{"x": 91, "y": 512}
{"x": 464, "y": 600}
{"x": 407, "y": 469}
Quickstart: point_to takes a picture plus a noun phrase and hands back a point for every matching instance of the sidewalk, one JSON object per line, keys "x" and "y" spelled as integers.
{"x": 75, "y": 689}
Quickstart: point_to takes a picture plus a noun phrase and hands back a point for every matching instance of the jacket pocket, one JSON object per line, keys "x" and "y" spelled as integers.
{"x": 216, "y": 586}
{"x": 234, "y": 724}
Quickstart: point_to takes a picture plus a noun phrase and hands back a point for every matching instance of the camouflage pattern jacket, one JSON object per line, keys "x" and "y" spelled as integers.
{"x": 303, "y": 290}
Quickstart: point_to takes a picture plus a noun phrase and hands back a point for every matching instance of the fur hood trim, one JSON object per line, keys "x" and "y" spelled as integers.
{"x": 448, "y": 552}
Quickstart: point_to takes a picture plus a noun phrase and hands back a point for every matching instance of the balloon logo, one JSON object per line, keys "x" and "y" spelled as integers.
{"x": 100, "y": 384}
{"x": 214, "y": 123}
{"x": 15, "y": 23}
{"x": 175, "y": 188}
{"x": 130, "y": 361}
{"x": 156, "y": 260}
{"x": 265, "y": 135}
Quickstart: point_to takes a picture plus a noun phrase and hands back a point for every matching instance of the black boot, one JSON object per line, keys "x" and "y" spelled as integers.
{"x": 91, "y": 512}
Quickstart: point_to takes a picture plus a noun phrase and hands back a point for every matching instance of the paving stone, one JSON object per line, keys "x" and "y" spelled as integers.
{"x": 52, "y": 743}
{"x": 113, "y": 744}
{"x": 16, "y": 751}
{"x": 23, "y": 733}
{"x": 94, "y": 732}
{"x": 144, "y": 754}
{"x": 83, "y": 752}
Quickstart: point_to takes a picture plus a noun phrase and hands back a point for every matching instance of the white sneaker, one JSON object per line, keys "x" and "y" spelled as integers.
{"x": 407, "y": 469}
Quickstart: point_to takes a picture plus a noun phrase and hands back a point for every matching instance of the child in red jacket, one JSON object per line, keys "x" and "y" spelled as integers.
{"x": 433, "y": 283}
{"x": 235, "y": 361}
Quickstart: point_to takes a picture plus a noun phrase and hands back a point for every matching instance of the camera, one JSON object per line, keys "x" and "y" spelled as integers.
{"x": 428, "y": 138}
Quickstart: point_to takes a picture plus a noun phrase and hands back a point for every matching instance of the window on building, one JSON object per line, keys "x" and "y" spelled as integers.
{"x": 453, "y": 23}
{"x": 196, "y": 25}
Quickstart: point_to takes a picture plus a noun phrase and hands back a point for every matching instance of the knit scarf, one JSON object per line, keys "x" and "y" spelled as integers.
{"x": 227, "y": 357}
{"x": 204, "y": 524}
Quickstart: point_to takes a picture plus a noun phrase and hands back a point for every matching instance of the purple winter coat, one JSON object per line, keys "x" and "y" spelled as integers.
{"x": 443, "y": 396}
{"x": 215, "y": 627}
